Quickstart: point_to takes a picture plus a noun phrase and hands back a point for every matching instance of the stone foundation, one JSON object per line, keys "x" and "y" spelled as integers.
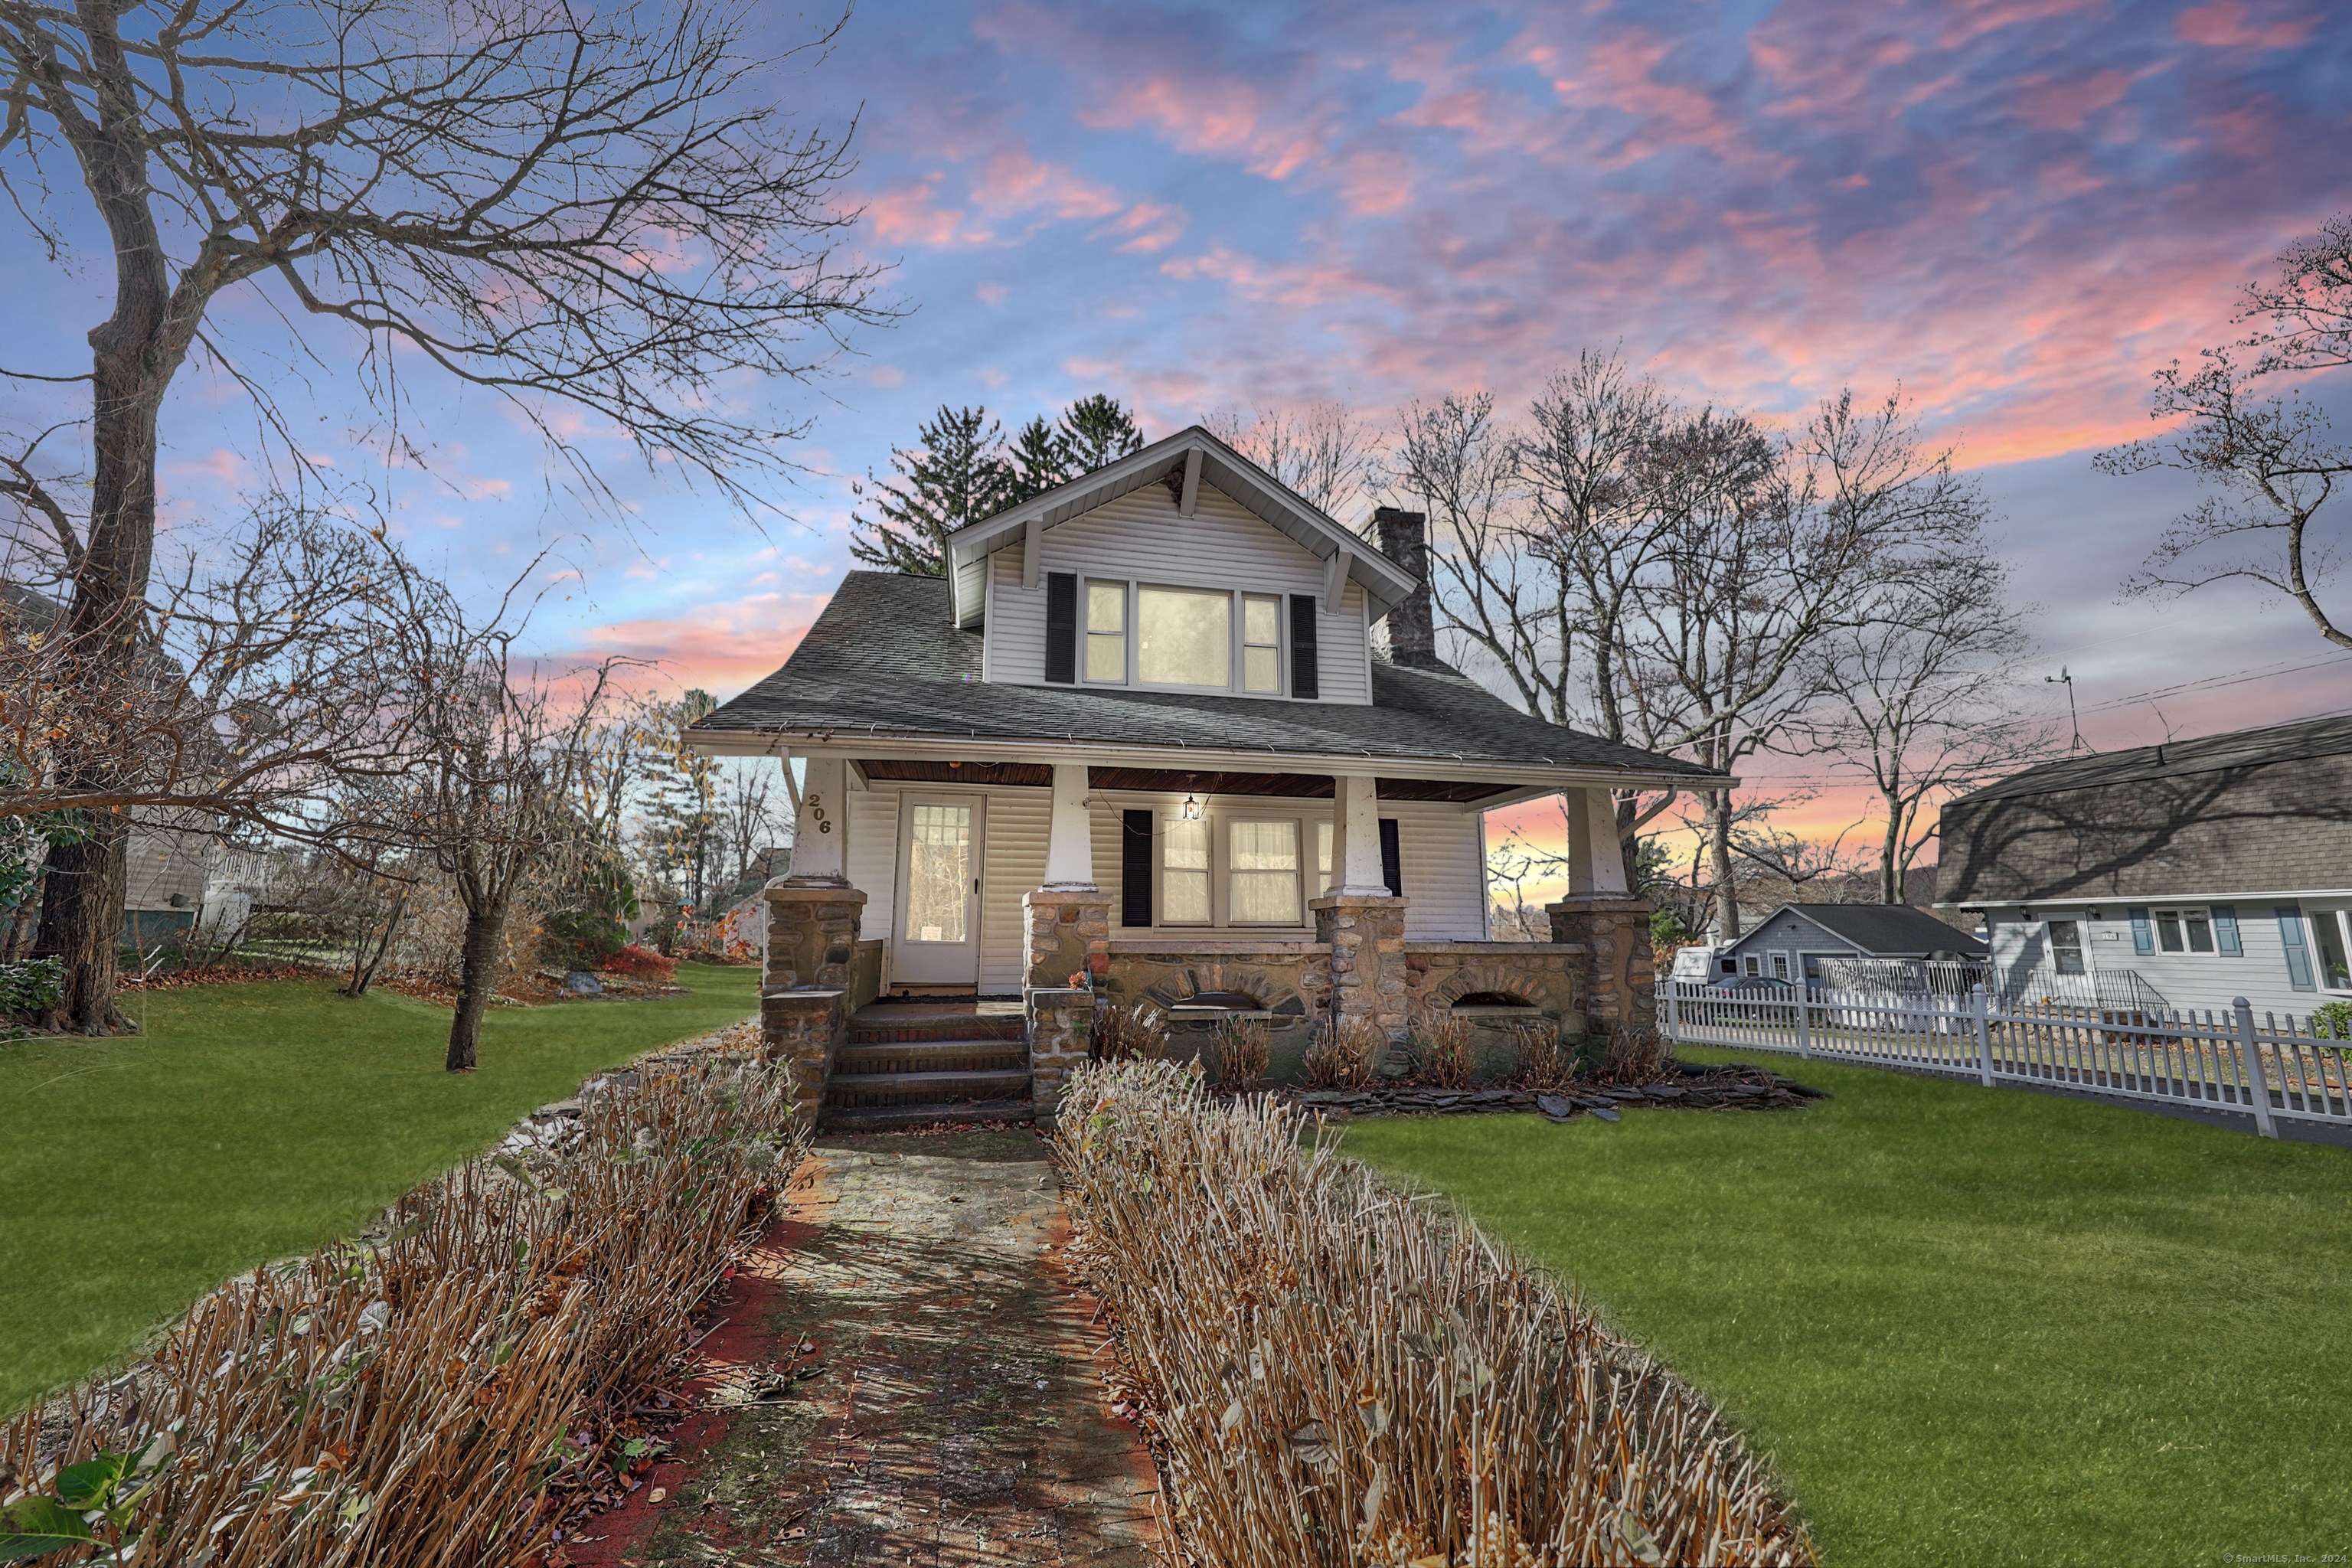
{"x": 1618, "y": 978}
{"x": 803, "y": 1031}
{"x": 1061, "y": 1033}
{"x": 811, "y": 935}
{"x": 1068, "y": 934}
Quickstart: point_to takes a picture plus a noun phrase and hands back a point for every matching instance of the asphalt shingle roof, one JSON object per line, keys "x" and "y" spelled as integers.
{"x": 1883, "y": 928}
{"x": 2176, "y": 759}
{"x": 884, "y": 656}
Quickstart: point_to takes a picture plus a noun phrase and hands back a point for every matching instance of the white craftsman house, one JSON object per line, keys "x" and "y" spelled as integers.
{"x": 1167, "y": 735}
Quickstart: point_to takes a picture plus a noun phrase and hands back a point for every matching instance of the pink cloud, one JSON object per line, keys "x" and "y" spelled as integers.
{"x": 1012, "y": 181}
{"x": 2231, "y": 25}
{"x": 719, "y": 648}
{"x": 2051, "y": 105}
{"x": 1146, "y": 227}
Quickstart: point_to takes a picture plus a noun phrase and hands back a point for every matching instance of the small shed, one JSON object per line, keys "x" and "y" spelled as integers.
{"x": 1794, "y": 940}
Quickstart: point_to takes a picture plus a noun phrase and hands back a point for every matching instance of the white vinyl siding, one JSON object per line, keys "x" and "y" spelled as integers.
{"x": 1013, "y": 865}
{"x": 872, "y": 860}
{"x": 2185, "y": 980}
{"x": 1140, "y": 538}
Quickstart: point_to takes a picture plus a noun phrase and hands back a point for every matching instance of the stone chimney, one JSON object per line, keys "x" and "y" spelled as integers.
{"x": 1404, "y": 538}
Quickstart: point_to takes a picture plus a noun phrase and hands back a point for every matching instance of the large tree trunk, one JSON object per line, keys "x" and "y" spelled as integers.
{"x": 1718, "y": 845}
{"x": 81, "y": 922}
{"x": 478, "y": 973}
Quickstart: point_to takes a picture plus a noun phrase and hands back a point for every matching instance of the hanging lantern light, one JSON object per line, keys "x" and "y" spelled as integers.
{"x": 1191, "y": 810}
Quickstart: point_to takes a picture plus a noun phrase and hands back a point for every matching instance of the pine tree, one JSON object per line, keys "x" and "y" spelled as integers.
{"x": 1097, "y": 430}
{"x": 1038, "y": 460}
{"x": 956, "y": 473}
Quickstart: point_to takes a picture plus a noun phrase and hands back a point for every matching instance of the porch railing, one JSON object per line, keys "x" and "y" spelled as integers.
{"x": 2276, "y": 1068}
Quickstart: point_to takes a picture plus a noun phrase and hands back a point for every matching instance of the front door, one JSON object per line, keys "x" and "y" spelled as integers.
{"x": 938, "y": 890}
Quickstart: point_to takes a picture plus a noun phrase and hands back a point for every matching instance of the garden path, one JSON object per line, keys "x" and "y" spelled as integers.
{"x": 905, "y": 1377}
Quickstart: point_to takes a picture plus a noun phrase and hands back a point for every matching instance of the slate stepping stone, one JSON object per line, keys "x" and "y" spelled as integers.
{"x": 1556, "y": 1107}
{"x": 1607, "y": 1113}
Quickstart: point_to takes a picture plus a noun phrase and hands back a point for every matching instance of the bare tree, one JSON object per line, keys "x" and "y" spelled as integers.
{"x": 2275, "y": 465}
{"x": 1321, "y": 450}
{"x": 1926, "y": 698}
{"x": 502, "y": 761}
{"x": 2309, "y": 309}
{"x": 598, "y": 209}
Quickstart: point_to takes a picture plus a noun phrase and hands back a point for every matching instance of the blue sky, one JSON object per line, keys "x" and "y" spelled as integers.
{"x": 2015, "y": 208}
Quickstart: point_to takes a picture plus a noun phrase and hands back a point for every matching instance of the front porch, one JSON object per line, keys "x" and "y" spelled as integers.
{"x": 1344, "y": 928}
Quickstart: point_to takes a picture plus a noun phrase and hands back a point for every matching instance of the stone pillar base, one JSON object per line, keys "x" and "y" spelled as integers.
{"x": 803, "y": 1031}
{"x": 1061, "y": 1033}
{"x": 1068, "y": 934}
{"x": 1618, "y": 978}
{"x": 811, "y": 934}
{"x": 1366, "y": 935}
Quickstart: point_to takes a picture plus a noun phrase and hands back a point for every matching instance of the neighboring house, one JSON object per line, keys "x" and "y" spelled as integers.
{"x": 167, "y": 865}
{"x": 1172, "y": 729}
{"x": 2210, "y": 869}
{"x": 1797, "y": 940}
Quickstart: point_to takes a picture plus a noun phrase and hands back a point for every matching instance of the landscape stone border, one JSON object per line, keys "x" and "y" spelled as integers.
{"x": 1738, "y": 1086}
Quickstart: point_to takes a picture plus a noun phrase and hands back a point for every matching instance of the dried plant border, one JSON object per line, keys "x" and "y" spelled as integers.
{"x": 406, "y": 1397}
{"x": 1335, "y": 1376}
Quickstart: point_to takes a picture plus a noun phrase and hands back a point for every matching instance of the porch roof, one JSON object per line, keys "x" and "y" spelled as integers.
{"x": 883, "y": 663}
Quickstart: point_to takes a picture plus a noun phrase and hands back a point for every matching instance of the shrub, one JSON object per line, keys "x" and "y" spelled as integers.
{"x": 405, "y": 1398}
{"x": 1343, "y": 1056}
{"x": 2332, "y": 1021}
{"x": 640, "y": 963}
{"x": 1243, "y": 1052}
{"x": 1130, "y": 1034}
{"x": 1336, "y": 1376}
{"x": 1537, "y": 1060}
{"x": 1636, "y": 1056}
{"x": 581, "y": 939}
{"x": 33, "y": 986}
{"x": 1443, "y": 1057}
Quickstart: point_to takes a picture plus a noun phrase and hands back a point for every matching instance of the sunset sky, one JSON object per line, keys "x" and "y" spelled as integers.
{"x": 2014, "y": 208}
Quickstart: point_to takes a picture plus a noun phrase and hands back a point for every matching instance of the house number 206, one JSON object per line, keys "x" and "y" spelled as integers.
{"x": 816, "y": 811}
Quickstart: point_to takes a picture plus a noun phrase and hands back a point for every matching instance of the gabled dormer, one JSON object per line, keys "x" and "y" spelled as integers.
{"x": 1183, "y": 568}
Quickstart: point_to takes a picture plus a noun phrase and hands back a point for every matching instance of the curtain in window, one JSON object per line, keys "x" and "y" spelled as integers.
{"x": 1264, "y": 870}
{"x": 1184, "y": 636}
{"x": 1184, "y": 874}
{"x": 938, "y": 871}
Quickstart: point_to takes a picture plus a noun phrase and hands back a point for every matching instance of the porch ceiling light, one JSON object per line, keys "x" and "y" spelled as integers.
{"x": 1191, "y": 810}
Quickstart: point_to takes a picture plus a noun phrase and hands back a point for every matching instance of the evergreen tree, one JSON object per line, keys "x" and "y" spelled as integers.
{"x": 956, "y": 473}
{"x": 1038, "y": 461}
{"x": 1097, "y": 430}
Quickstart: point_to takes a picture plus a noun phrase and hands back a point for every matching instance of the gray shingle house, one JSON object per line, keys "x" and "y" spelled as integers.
{"x": 2210, "y": 868}
{"x": 1796, "y": 940}
{"x": 1171, "y": 734}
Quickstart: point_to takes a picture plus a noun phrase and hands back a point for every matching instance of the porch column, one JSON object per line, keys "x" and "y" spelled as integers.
{"x": 1070, "y": 836}
{"x": 812, "y": 927}
{"x": 1616, "y": 979}
{"x": 1069, "y": 926}
{"x": 1358, "y": 918}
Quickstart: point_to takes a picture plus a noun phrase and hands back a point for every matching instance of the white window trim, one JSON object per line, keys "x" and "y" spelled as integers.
{"x": 2311, "y": 919}
{"x": 2181, "y": 912}
{"x": 1236, "y": 657}
{"x": 1220, "y": 819}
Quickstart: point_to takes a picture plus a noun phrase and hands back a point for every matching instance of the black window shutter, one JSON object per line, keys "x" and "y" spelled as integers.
{"x": 1062, "y": 626}
{"x": 1303, "y": 670}
{"x": 1135, "y": 868}
{"x": 1391, "y": 863}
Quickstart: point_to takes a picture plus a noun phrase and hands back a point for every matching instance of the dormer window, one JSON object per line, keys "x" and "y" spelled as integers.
{"x": 1110, "y": 631}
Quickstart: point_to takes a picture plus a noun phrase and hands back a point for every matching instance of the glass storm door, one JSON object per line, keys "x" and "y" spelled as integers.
{"x": 938, "y": 890}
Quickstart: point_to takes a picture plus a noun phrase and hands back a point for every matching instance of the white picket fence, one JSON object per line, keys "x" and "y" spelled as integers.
{"x": 2278, "y": 1069}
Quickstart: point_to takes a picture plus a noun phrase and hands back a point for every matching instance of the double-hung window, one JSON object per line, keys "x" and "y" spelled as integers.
{"x": 1262, "y": 872}
{"x": 1262, "y": 643}
{"x": 1105, "y": 631}
{"x": 2333, "y": 929}
{"x": 1184, "y": 872}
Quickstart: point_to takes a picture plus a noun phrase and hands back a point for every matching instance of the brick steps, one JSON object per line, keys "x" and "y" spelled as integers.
{"x": 892, "y": 1118}
{"x": 968, "y": 1027}
{"x": 926, "y": 1088}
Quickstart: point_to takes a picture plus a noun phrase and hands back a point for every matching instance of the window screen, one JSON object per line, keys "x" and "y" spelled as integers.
{"x": 1183, "y": 637}
{"x": 1183, "y": 873}
{"x": 1261, "y": 644}
{"x": 1106, "y": 631}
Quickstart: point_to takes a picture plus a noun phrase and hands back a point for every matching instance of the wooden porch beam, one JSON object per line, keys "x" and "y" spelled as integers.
{"x": 1032, "y": 540}
{"x": 1334, "y": 580}
{"x": 1189, "y": 502}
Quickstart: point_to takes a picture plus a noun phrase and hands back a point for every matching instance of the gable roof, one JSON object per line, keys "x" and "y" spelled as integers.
{"x": 2176, "y": 759}
{"x": 1281, "y": 507}
{"x": 1877, "y": 930}
{"x": 885, "y": 658}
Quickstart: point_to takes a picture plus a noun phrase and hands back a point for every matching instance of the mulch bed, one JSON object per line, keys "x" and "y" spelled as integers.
{"x": 218, "y": 975}
{"x": 1739, "y": 1085}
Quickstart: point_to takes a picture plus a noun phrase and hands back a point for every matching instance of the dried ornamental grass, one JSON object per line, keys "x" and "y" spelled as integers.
{"x": 1636, "y": 1057}
{"x": 1131, "y": 1034}
{"x": 1344, "y": 1055}
{"x": 1243, "y": 1050}
{"x": 1337, "y": 1377}
{"x": 404, "y": 1399}
{"x": 1537, "y": 1060}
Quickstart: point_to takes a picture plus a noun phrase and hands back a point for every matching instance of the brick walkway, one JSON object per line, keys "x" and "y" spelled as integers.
{"x": 905, "y": 1378}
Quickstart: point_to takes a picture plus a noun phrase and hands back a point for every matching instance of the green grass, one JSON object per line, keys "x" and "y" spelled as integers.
{"x": 251, "y": 1122}
{"x": 1968, "y": 1326}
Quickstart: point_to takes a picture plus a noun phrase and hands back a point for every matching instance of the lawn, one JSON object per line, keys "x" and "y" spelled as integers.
{"x": 1969, "y": 1326}
{"x": 250, "y": 1123}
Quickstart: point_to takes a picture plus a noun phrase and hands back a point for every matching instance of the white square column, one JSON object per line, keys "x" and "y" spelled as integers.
{"x": 1596, "y": 864}
{"x": 1356, "y": 838}
{"x": 1070, "y": 835}
{"x": 821, "y": 841}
